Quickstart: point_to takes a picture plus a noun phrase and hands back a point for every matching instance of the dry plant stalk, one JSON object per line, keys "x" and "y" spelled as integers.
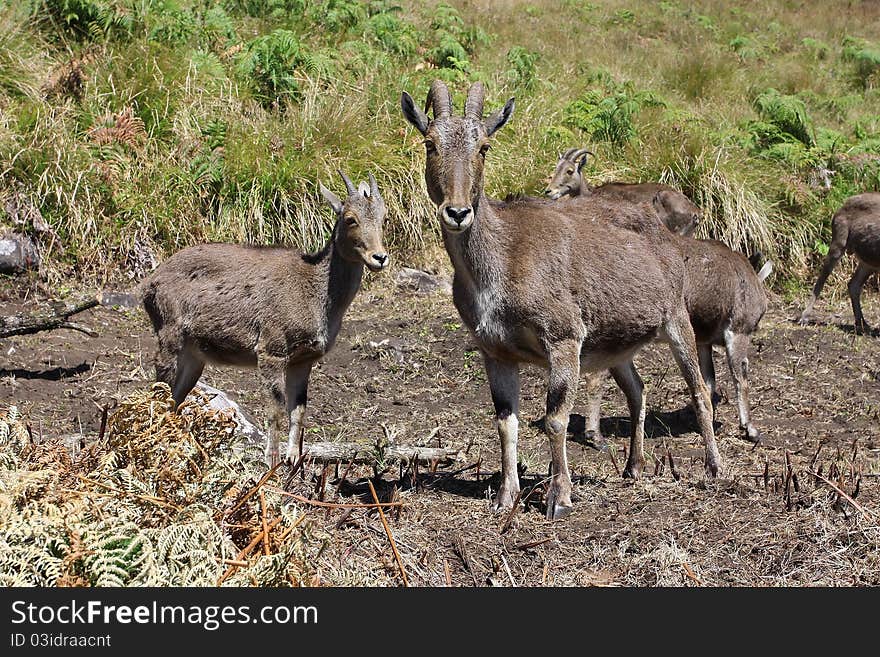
{"x": 388, "y": 532}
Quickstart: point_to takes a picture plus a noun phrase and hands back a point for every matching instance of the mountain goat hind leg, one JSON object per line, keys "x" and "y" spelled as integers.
{"x": 680, "y": 336}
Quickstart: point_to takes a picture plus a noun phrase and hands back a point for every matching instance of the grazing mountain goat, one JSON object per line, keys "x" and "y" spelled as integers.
{"x": 533, "y": 286}
{"x": 674, "y": 208}
{"x": 273, "y": 308}
{"x": 855, "y": 229}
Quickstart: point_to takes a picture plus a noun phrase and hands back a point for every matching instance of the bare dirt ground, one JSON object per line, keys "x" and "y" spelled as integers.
{"x": 404, "y": 361}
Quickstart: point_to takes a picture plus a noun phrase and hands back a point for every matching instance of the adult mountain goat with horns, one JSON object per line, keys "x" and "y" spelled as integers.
{"x": 535, "y": 283}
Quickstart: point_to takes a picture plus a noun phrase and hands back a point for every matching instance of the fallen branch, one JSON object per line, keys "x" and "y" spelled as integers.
{"x": 361, "y": 454}
{"x": 690, "y": 573}
{"x": 264, "y": 523}
{"x": 27, "y": 323}
{"x": 509, "y": 519}
{"x": 286, "y": 532}
{"x": 532, "y": 544}
{"x": 388, "y": 532}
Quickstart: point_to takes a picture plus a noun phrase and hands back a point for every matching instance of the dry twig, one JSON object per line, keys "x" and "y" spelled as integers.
{"x": 388, "y": 532}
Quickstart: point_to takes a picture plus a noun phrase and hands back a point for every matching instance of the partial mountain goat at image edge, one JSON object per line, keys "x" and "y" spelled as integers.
{"x": 855, "y": 229}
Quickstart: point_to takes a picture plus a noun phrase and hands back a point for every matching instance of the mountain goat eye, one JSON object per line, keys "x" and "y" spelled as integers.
{"x": 484, "y": 149}
{"x": 351, "y": 220}
{"x": 430, "y": 146}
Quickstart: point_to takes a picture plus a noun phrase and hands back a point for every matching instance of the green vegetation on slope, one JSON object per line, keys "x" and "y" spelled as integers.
{"x": 136, "y": 127}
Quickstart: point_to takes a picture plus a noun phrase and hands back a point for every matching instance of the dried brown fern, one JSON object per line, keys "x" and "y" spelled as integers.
{"x": 68, "y": 79}
{"x": 147, "y": 504}
{"x": 123, "y": 128}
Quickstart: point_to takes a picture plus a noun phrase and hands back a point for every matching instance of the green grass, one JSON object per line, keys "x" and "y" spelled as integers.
{"x": 237, "y": 108}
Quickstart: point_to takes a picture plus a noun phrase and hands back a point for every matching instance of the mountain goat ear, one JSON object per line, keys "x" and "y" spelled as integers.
{"x": 331, "y": 198}
{"x": 499, "y": 118}
{"x": 413, "y": 113}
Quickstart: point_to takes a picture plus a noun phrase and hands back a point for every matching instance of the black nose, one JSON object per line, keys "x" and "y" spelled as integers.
{"x": 381, "y": 258}
{"x": 458, "y": 215}
{"x": 548, "y": 191}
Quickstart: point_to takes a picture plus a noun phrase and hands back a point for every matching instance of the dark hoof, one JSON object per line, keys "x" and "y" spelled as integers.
{"x": 750, "y": 434}
{"x": 712, "y": 470}
{"x": 596, "y": 439}
{"x": 632, "y": 471}
{"x": 557, "y": 511}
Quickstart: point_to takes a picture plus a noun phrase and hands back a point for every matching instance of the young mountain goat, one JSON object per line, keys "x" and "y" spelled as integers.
{"x": 533, "y": 286}
{"x": 855, "y": 229}
{"x": 273, "y": 308}
{"x": 674, "y": 208}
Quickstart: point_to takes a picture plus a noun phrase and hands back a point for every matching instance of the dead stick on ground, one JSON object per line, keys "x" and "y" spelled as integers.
{"x": 388, "y": 531}
{"x": 253, "y": 490}
{"x": 247, "y": 550}
{"x": 509, "y": 519}
{"x": 509, "y": 573}
{"x": 287, "y": 531}
{"x": 672, "y": 470}
{"x": 24, "y": 323}
{"x": 531, "y": 544}
{"x": 611, "y": 449}
{"x": 343, "y": 518}
{"x": 690, "y": 573}
{"x": 263, "y": 520}
{"x": 331, "y": 505}
{"x": 446, "y": 572}
{"x": 844, "y": 495}
{"x": 344, "y": 477}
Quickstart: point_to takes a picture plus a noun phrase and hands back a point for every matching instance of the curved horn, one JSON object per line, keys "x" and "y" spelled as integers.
{"x": 473, "y": 107}
{"x": 578, "y": 153}
{"x": 567, "y": 155}
{"x": 439, "y": 99}
{"x": 374, "y": 188}
{"x": 349, "y": 186}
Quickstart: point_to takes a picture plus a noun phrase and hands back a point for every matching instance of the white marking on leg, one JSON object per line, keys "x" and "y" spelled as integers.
{"x": 294, "y": 444}
{"x": 508, "y": 431}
